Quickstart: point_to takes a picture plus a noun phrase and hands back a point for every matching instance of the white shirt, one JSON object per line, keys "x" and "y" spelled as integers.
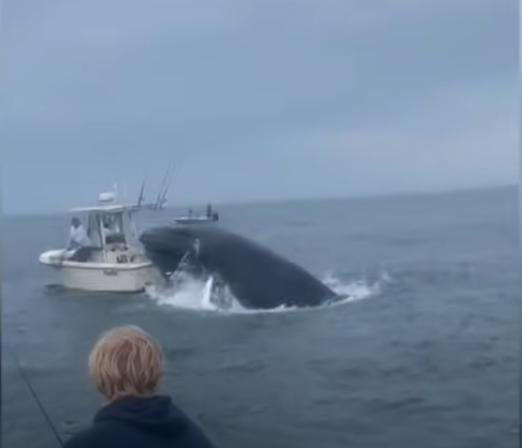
{"x": 78, "y": 236}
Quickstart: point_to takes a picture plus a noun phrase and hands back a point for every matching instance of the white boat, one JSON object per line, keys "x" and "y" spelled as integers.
{"x": 210, "y": 216}
{"x": 194, "y": 219}
{"x": 114, "y": 259}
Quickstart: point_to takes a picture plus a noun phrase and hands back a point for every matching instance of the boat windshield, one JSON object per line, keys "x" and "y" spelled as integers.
{"x": 131, "y": 233}
{"x": 113, "y": 228}
{"x": 93, "y": 231}
{"x": 112, "y": 224}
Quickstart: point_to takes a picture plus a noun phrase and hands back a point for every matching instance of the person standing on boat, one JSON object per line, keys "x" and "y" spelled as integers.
{"x": 77, "y": 236}
{"x": 127, "y": 364}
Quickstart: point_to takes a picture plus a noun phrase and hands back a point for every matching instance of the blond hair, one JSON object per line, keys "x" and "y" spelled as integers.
{"x": 126, "y": 361}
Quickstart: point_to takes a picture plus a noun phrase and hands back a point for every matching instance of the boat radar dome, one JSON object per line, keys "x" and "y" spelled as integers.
{"x": 106, "y": 198}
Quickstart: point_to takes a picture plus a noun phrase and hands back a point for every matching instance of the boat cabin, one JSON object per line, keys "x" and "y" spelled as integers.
{"x": 112, "y": 234}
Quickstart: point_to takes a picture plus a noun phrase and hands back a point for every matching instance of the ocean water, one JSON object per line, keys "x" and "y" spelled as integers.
{"x": 424, "y": 351}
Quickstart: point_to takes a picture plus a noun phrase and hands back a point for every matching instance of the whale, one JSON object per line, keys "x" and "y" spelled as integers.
{"x": 256, "y": 276}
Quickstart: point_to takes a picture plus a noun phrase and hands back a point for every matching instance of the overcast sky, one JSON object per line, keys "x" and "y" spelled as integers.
{"x": 265, "y": 99}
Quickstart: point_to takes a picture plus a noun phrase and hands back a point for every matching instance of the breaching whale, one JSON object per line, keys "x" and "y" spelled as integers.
{"x": 256, "y": 276}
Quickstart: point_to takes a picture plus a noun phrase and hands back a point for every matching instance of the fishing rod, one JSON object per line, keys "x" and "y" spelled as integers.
{"x": 142, "y": 193}
{"x": 167, "y": 185}
{"x": 162, "y": 186}
{"x": 35, "y": 397}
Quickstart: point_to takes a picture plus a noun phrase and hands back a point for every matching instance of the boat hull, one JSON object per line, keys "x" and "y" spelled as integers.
{"x": 130, "y": 277}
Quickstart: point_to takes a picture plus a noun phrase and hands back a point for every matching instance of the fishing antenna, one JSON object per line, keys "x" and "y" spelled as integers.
{"x": 38, "y": 402}
{"x": 142, "y": 193}
{"x": 163, "y": 186}
{"x": 158, "y": 198}
{"x": 168, "y": 184}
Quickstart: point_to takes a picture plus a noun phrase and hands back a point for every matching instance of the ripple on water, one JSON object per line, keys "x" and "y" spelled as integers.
{"x": 249, "y": 366}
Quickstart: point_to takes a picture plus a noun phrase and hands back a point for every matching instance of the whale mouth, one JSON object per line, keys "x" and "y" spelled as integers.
{"x": 210, "y": 294}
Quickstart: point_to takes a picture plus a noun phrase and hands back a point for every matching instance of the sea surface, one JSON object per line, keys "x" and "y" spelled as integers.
{"x": 424, "y": 353}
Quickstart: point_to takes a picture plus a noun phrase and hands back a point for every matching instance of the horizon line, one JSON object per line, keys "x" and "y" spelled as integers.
{"x": 254, "y": 201}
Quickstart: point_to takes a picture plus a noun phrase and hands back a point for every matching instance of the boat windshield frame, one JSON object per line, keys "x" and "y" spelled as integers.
{"x": 120, "y": 215}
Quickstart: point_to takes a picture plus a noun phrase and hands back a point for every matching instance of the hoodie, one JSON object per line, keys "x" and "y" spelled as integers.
{"x": 133, "y": 422}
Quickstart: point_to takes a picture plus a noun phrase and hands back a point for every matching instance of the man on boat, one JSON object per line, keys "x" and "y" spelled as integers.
{"x": 77, "y": 236}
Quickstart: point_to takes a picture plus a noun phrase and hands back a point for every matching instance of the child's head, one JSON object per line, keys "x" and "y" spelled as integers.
{"x": 126, "y": 361}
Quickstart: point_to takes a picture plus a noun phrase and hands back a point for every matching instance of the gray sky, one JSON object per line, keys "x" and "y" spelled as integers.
{"x": 256, "y": 99}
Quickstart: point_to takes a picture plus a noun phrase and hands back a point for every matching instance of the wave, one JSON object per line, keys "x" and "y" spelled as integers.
{"x": 189, "y": 292}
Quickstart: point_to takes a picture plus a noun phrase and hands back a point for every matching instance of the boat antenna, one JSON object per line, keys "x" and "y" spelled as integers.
{"x": 36, "y": 399}
{"x": 167, "y": 186}
{"x": 158, "y": 198}
{"x": 142, "y": 192}
{"x": 115, "y": 190}
{"x": 162, "y": 187}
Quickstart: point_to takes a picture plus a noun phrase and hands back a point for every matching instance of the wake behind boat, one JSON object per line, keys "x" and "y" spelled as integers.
{"x": 111, "y": 257}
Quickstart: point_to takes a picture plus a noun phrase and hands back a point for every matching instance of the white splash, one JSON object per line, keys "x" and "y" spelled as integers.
{"x": 356, "y": 290}
{"x": 190, "y": 294}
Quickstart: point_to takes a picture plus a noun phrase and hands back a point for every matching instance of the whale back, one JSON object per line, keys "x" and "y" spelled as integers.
{"x": 257, "y": 276}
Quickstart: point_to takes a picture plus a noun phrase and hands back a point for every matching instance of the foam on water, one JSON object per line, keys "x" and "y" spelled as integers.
{"x": 358, "y": 289}
{"x": 197, "y": 294}
{"x": 192, "y": 294}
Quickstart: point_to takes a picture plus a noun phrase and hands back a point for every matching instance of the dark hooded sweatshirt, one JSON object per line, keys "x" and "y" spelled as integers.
{"x": 133, "y": 422}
